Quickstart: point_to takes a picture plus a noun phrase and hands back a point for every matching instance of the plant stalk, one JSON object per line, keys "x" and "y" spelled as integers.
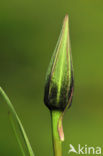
{"x": 57, "y": 143}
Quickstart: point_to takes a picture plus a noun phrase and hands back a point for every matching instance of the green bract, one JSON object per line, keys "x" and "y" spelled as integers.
{"x": 59, "y": 77}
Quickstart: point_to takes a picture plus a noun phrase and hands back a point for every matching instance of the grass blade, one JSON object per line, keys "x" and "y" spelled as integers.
{"x": 15, "y": 121}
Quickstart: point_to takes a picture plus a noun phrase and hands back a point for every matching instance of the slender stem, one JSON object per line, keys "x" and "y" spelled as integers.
{"x": 57, "y": 143}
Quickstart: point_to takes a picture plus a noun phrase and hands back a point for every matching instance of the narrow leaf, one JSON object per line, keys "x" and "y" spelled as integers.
{"x": 16, "y": 124}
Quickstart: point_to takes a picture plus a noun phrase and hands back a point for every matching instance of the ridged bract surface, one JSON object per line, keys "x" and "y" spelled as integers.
{"x": 59, "y": 77}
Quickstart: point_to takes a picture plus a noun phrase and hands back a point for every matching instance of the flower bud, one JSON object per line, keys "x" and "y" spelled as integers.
{"x": 59, "y": 77}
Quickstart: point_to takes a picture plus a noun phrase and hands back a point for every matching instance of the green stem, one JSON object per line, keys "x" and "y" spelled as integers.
{"x": 57, "y": 143}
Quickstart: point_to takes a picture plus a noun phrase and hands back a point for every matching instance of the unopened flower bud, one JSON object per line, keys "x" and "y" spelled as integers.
{"x": 59, "y": 78}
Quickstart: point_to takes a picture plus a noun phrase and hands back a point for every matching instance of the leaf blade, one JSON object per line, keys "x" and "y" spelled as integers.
{"x": 23, "y": 133}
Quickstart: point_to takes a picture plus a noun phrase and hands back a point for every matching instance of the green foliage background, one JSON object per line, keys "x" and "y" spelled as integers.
{"x": 28, "y": 34}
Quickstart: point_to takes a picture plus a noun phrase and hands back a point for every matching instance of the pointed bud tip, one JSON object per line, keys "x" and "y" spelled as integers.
{"x": 65, "y": 22}
{"x": 66, "y": 18}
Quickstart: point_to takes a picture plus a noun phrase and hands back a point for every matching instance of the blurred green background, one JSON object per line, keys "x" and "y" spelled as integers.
{"x": 28, "y": 34}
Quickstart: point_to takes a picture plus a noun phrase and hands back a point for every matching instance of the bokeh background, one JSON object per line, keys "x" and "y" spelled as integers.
{"x": 28, "y": 34}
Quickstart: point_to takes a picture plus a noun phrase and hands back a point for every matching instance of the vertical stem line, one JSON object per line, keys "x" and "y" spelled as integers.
{"x": 57, "y": 143}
